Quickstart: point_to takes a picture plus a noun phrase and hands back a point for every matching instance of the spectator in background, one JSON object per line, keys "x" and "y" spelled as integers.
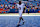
{"x": 10, "y": 7}
{"x": 14, "y": 3}
{"x": 37, "y": 4}
{"x": 35, "y": 0}
{"x": 6, "y": 0}
{"x": 35, "y": 7}
{"x": 31, "y": 4}
{"x": 39, "y": 7}
{"x": 6, "y": 6}
{"x": 1, "y": 6}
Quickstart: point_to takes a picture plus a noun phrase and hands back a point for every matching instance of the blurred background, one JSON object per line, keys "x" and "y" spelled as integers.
{"x": 8, "y": 6}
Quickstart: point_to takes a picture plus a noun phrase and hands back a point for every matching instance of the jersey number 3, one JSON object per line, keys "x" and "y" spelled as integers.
{"x": 20, "y": 8}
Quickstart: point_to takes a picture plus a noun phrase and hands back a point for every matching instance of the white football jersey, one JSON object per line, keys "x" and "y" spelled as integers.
{"x": 20, "y": 7}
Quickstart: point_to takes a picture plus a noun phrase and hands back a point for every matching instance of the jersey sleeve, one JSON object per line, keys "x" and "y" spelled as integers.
{"x": 24, "y": 5}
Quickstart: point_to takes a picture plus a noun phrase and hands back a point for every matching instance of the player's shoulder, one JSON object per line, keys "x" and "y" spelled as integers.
{"x": 22, "y": 4}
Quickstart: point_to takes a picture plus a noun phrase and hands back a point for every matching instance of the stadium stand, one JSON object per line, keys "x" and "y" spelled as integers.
{"x": 9, "y": 6}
